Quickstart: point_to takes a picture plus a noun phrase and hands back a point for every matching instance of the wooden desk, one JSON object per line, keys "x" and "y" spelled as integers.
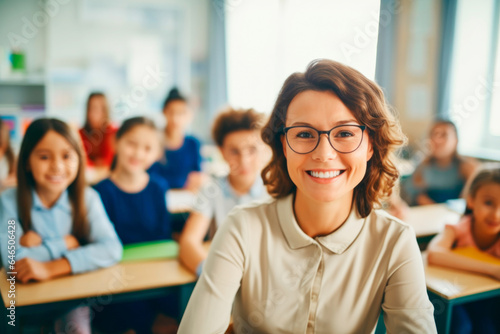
{"x": 122, "y": 282}
{"x": 449, "y": 287}
{"x": 429, "y": 220}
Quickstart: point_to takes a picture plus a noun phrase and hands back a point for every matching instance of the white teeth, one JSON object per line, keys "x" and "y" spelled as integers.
{"x": 325, "y": 175}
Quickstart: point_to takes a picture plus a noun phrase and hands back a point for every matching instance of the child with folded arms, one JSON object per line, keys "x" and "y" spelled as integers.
{"x": 59, "y": 224}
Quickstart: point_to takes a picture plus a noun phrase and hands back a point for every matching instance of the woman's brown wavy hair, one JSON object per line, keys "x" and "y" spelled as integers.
{"x": 366, "y": 101}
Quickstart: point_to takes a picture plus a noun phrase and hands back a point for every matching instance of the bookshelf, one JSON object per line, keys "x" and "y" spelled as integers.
{"x": 21, "y": 100}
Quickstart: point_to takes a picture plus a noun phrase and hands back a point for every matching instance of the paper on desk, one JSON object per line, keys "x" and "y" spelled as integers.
{"x": 180, "y": 200}
{"x": 164, "y": 249}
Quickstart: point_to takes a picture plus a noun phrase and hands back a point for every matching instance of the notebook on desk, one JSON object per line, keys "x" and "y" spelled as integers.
{"x": 153, "y": 250}
{"x": 476, "y": 254}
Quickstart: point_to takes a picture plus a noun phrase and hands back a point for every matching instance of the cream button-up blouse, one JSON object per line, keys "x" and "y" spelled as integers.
{"x": 277, "y": 279}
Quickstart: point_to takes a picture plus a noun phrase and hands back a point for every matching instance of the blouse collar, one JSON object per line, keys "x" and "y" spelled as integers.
{"x": 62, "y": 202}
{"x": 337, "y": 241}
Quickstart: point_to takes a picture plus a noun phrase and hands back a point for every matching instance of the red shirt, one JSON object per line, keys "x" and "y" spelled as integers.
{"x": 99, "y": 146}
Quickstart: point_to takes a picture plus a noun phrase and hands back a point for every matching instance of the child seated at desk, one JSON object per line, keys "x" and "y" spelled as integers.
{"x": 98, "y": 133}
{"x": 478, "y": 228}
{"x": 181, "y": 161}
{"x": 58, "y": 224}
{"x": 136, "y": 204}
{"x": 237, "y": 134}
{"x": 7, "y": 159}
{"x": 442, "y": 175}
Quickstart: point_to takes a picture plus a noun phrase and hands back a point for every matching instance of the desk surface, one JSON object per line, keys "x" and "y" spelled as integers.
{"x": 430, "y": 219}
{"x": 453, "y": 283}
{"x": 120, "y": 278}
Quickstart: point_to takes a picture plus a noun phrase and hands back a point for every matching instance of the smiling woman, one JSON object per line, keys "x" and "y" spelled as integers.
{"x": 319, "y": 257}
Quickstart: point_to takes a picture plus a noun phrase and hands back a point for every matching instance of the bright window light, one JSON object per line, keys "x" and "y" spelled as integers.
{"x": 267, "y": 40}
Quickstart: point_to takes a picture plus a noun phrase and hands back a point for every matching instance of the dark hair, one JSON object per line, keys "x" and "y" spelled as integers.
{"x": 127, "y": 126}
{"x": 92, "y": 95}
{"x": 26, "y": 183}
{"x": 483, "y": 177}
{"x": 366, "y": 101}
{"x": 441, "y": 121}
{"x": 5, "y": 140}
{"x": 173, "y": 95}
{"x": 233, "y": 120}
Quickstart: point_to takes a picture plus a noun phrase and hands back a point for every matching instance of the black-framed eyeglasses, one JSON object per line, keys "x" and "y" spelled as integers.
{"x": 304, "y": 139}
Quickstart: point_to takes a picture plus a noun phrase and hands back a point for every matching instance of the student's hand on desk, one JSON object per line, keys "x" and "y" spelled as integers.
{"x": 71, "y": 242}
{"x": 30, "y": 239}
{"x": 33, "y": 270}
{"x": 423, "y": 199}
{"x": 29, "y": 269}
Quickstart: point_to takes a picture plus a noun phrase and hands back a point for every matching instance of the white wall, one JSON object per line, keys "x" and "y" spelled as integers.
{"x": 18, "y": 30}
{"x": 86, "y": 45}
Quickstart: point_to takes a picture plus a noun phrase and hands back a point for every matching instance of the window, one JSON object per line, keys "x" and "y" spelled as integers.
{"x": 267, "y": 40}
{"x": 475, "y": 80}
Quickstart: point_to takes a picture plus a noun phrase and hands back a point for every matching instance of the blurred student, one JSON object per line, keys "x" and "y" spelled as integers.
{"x": 181, "y": 162}
{"x": 479, "y": 228}
{"x": 237, "y": 134}
{"x": 442, "y": 175}
{"x": 7, "y": 159}
{"x": 97, "y": 133}
{"x": 59, "y": 224}
{"x": 135, "y": 203}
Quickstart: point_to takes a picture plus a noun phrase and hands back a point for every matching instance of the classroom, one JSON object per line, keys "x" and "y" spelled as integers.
{"x": 264, "y": 166}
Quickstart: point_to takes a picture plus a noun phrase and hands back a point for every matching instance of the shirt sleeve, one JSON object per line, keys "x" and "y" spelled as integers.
{"x": 406, "y": 306}
{"x": 47, "y": 251}
{"x": 209, "y": 307}
{"x": 56, "y": 246}
{"x": 104, "y": 248}
{"x": 204, "y": 202}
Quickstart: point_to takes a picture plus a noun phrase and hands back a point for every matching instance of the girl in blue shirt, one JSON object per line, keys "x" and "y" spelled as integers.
{"x": 181, "y": 162}
{"x": 136, "y": 205}
{"x": 52, "y": 224}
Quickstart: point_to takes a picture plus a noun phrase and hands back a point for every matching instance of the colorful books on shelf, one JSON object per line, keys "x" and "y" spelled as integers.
{"x": 15, "y": 108}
